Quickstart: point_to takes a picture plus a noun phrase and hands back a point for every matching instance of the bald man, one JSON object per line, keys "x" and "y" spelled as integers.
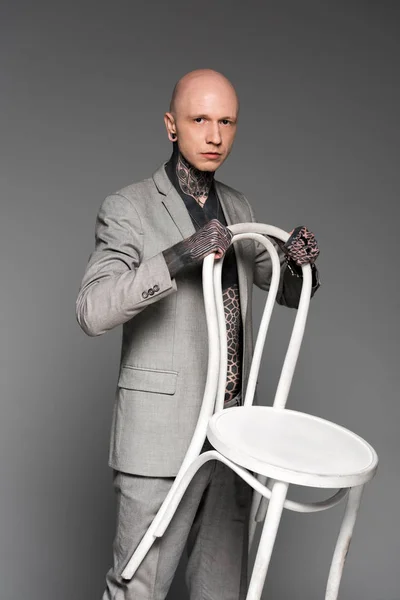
{"x": 145, "y": 273}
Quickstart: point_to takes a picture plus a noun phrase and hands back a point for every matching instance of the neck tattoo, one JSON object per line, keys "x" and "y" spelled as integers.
{"x": 192, "y": 181}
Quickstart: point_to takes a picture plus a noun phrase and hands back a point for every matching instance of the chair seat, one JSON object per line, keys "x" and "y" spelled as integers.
{"x": 292, "y": 446}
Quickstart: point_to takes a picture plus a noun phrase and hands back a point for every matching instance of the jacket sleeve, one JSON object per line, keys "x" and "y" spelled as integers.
{"x": 117, "y": 283}
{"x": 290, "y": 284}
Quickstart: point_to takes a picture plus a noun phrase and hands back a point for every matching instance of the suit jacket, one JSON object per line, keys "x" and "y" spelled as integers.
{"x": 163, "y": 359}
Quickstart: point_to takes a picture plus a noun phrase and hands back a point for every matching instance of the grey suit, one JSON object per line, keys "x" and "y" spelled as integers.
{"x": 164, "y": 345}
{"x": 160, "y": 388}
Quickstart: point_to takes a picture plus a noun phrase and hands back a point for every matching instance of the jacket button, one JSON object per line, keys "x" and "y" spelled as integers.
{"x": 144, "y": 294}
{"x": 156, "y": 288}
{"x": 151, "y": 291}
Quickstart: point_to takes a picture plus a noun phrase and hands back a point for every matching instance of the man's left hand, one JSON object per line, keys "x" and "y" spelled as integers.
{"x": 302, "y": 246}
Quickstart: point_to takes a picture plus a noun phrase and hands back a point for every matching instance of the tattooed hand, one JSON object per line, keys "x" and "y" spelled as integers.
{"x": 301, "y": 246}
{"x": 213, "y": 237}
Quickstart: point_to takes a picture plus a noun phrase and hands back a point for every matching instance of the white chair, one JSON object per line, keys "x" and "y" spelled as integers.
{"x": 270, "y": 447}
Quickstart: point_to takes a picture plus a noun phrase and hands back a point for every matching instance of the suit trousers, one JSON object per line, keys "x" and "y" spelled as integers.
{"x": 211, "y": 521}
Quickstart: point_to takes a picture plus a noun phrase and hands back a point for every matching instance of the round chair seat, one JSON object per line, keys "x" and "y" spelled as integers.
{"x": 292, "y": 446}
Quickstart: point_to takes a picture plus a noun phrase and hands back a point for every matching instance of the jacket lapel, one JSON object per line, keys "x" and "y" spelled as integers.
{"x": 173, "y": 203}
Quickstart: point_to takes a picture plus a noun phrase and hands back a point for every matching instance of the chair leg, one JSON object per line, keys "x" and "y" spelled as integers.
{"x": 267, "y": 540}
{"x": 256, "y": 499}
{"x": 343, "y": 542}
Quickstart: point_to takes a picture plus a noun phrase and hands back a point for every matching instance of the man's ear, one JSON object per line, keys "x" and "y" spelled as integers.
{"x": 170, "y": 126}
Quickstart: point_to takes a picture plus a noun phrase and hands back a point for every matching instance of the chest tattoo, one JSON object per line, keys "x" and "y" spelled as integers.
{"x": 233, "y": 332}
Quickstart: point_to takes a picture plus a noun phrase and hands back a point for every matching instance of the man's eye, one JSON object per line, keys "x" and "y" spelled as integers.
{"x": 198, "y": 119}
{"x": 226, "y": 121}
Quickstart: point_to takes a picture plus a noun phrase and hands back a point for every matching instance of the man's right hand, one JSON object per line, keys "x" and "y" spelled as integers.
{"x": 212, "y": 237}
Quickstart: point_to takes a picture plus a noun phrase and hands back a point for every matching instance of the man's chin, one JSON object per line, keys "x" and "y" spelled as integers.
{"x": 209, "y": 164}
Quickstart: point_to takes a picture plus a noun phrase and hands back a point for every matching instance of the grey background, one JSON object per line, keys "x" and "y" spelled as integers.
{"x": 84, "y": 88}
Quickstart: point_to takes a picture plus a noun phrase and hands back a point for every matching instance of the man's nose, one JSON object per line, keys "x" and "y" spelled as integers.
{"x": 214, "y": 134}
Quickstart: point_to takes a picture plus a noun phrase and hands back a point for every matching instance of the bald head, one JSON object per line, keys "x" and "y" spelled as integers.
{"x": 203, "y": 117}
{"x": 200, "y": 80}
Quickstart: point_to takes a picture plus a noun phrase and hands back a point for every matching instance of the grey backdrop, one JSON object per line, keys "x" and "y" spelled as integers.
{"x": 84, "y": 88}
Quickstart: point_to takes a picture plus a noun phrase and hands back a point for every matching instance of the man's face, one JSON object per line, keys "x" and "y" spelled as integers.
{"x": 206, "y": 121}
